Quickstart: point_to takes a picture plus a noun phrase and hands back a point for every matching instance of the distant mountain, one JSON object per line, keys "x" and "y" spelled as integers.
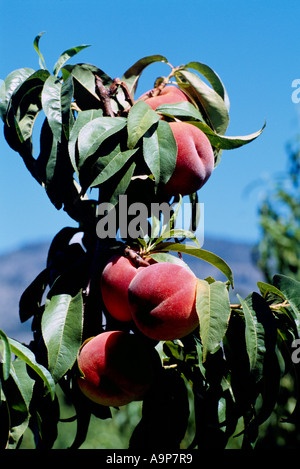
{"x": 20, "y": 267}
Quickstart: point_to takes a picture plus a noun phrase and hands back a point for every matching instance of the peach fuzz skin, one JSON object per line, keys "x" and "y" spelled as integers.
{"x": 195, "y": 160}
{"x": 115, "y": 280}
{"x": 162, "y": 298}
{"x": 117, "y": 368}
{"x": 170, "y": 94}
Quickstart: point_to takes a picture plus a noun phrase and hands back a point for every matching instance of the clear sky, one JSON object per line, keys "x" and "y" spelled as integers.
{"x": 253, "y": 46}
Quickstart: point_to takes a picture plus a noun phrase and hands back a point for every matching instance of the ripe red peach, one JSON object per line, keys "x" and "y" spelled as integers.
{"x": 169, "y": 94}
{"x": 116, "y": 368}
{"x": 162, "y": 298}
{"x": 195, "y": 160}
{"x": 115, "y": 280}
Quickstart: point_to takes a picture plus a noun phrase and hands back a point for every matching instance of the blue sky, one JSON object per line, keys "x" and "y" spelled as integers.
{"x": 252, "y": 45}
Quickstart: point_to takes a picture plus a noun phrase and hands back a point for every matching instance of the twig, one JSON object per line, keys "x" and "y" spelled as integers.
{"x": 103, "y": 94}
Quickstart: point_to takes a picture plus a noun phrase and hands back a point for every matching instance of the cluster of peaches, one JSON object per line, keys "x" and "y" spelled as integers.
{"x": 159, "y": 297}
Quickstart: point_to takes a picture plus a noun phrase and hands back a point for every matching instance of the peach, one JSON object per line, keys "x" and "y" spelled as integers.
{"x": 169, "y": 94}
{"x": 162, "y": 298}
{"x": 195, "y": 160}
{"x": 115, "y": 280}
{"x": 117, "y": 368}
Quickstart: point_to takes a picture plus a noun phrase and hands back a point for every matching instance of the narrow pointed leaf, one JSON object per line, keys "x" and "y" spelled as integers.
{"x": 65, "y": 56}
{"x": 51, "y": 102}
{"x": 213, "y": 79}
{"x": 255, "y": 337}
{"x": 26, "y": 105}
{"x": 10, "y": 84}
{"x": 206, "y": 256}
{"x": 28, "y": 357}
{"x": 140, "y": 118}
{"x": 110, "y": 165}
{"x": 5, "y": 354}
{"x": 290, "y": 288}
{"x": 95, "y": 132}
{"x": 213, "y": 309}
{"x": 224, "y": 142}
{"x": 132, "y": 75}
{"x": 206, "y": 98}
{"x": 182, "y": 109}
{"x": 83, "y": 118}
{"x": 62, "y": 332}
{"x": 160, "y": 151}
{"x": 36, "y": 46}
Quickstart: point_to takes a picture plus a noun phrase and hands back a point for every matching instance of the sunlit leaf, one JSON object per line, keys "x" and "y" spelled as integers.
{"x": 140, "y": 118}
{"x": 82, "y": 119}
{"x": 212, "y": 77}
{"x": 182, "y": 109}
{"x": 95, "y": 132}
{"x": 213, "y": 309}
{"x": 51, "y": 102}
{"x": 224, "y": 142}
{"x": 66, "y": 56}
{"x": 36, "y": 46}
{"x": 160, "y": 151}
{"x": 207, "y": 256}
{"x": 10, "y": 84}
{"x": 206, "y": 98}
{"x": 62, "y": 332}
{"x": 132, "y": 75}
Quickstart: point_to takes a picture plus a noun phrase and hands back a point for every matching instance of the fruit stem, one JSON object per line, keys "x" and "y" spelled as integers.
{"x": 135, "y": 257}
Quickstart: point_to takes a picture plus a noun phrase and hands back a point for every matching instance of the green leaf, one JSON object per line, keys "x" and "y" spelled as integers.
{"x": 132, "y": 75}
{"x": 182, "y": 109}
{"x": 266, "y": 288}
{"x": 176, "y": 233}
{"x": 260, "y": 332}
{"x": 83, "y": 118}
{"x": 222, "y": 141}
{"x": 28, "y": 357}
{"x": 213, "y": 309}
{"x": 18, "y": 390}
{"x": 26, "y": 104}
{"x": 95, "y": 132}
{"x": 62, "y": 324}
{"x": 290, "y": 288}
{"x": 206, "y": 98}
{"x": 166, "y": 257}
{"x": 22, "y": 379}
{"x": 213, "y": 79}
{"x": 5, "y": 355}
{"x": 207, "y": 256}
{"x": 51, "y": 102}
{"x": 65, "y": 56}
{"x": 10, "y": 85}
{"x": 108, "y": 166}
{"x": 36, "y": 46}
{"x": 160, "y": 151}
{"x": 140, "y": 118}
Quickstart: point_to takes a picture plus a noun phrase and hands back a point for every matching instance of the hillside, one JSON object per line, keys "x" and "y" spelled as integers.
{"x": 18, "y": 268}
